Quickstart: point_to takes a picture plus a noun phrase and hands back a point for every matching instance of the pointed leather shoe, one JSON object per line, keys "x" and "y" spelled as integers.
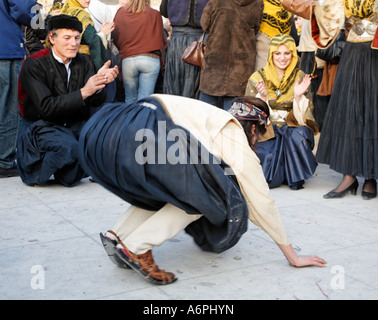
{"x": 335, "y": 195}
{"x": 369, "y": 195}
{"x": 110, "y": 247}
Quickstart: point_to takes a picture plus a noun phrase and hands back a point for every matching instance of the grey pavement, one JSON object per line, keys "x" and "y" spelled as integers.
{"x": 50, "y": 249}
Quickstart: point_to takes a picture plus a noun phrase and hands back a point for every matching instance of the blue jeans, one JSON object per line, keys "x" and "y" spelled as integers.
{"x": 139, "y": 75}
{"x": 224, "y": 102}
{"x": 9, "y": 112}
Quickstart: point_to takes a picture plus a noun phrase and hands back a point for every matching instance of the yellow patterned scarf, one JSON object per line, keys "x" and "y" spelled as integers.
{"x": 275, "y": 19}
{"x": 73, "y": 8}
{"x": 56, "y": 6}
{"x": 359, "y": 8}
{"x": 280, "y": 90}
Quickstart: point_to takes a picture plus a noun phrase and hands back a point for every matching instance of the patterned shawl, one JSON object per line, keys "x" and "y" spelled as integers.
{"x": 73, "y": 8}
{"x": 285, "y": 86}
{"x": 275, "y": 19}
{"x": 359, "y": 8}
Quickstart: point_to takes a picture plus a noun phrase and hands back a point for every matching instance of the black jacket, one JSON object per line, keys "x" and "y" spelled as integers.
{"x": 47, "y": 96}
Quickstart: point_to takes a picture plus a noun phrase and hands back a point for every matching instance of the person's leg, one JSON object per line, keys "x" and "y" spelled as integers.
{"x": 161, "y": 226}
{"x": 227, "y": 102}
{"x": 349, "y": 183}
{"x": 213, "y": 100}
{"x": 136, "y": 250}
{"x": 130, "y": 76}
{"x": 44, "y": 150}
{"x": 9, "y": 113}
{"x": 130, "y": 220}
{"x": 149, "y": 69}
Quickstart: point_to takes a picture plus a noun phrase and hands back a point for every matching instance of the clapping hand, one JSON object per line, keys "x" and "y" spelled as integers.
{"x": 97, "y": 82}
{"x": 301, "y": 87}
{"x": 109, "y": 73}
{"x": 261, "y": 89}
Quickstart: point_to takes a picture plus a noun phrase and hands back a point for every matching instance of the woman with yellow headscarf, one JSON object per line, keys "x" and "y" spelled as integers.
{"x": 92, "y": 44}
{"x": 286, "y": 150}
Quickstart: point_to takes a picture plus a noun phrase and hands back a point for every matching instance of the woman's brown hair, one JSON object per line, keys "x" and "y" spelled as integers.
{"x": 137, "y": 6}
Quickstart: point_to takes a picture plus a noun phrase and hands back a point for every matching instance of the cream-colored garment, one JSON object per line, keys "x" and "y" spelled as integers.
{"x": 221, "y": 134}
{"x": 138, "y": 229}
{"x": 299, "y": 110}
{"x": 306, "y": 43}
{"x": 330, "y": 19}
{"x": 262, "y": 49}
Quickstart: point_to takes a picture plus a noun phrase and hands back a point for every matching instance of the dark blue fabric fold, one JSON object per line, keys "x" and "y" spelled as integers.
{"x": 44, "y": 150}
{"x": 288, "y": 158}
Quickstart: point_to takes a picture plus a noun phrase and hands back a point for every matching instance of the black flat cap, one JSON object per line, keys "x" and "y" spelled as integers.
{"x": 63, "y": 21}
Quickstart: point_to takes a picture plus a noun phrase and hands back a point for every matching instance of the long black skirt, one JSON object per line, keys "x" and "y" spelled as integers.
{"x": 139, "y": 154}
{"x": 288, "y": 158}
{"x": 349, "y": 139}
{"x": 181, "y": 78}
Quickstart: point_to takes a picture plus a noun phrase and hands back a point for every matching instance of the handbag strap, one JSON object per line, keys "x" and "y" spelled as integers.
{"x": 202, "y": 37}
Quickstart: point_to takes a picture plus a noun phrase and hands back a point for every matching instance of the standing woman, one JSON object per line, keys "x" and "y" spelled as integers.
{"x": 181, "y": 78}
{"x": 139, "y": 37}
{"x": 92, "y": 43}
{"x": 286, "y": 150}
{"x": 349, "y": 140}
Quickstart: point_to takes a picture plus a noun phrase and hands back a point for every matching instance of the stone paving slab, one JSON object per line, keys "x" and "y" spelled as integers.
{"x": 50, "y": 249}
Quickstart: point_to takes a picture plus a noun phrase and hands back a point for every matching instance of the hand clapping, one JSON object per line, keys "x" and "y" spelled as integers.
{"x": 109, "y": 73}
{"x": 97, "y": 82}
{"x": 301, "y": 87}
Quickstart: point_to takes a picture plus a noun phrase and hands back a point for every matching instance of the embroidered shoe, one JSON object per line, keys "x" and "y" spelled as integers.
{"x": 144, "y": 264}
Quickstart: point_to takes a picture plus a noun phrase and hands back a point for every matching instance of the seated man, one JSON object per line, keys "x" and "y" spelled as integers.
{"x": 57, "y": 92}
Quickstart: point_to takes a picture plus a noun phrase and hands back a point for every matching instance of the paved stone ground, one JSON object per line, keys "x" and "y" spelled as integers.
{"x": 51, "y": 233}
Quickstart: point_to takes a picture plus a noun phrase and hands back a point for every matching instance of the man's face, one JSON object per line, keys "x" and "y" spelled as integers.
{"x": 66, "y": 44}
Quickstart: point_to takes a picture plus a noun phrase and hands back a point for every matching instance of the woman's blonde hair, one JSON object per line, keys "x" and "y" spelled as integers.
{"x": 137, "y": 6}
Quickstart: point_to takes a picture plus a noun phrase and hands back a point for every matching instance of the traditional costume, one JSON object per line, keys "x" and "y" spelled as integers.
{"x": 286, "y": 149}
{"x": 182, "y": 78}
{"x": 275, "y": 20}
{"x": 52, "y": 112}
{"x": 349, "y": 140}
{"x": 180, "y": 163}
